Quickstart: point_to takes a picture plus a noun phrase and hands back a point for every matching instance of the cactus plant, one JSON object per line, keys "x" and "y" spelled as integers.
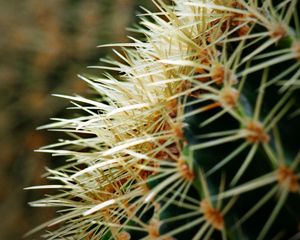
{"x": 194, "y": 133}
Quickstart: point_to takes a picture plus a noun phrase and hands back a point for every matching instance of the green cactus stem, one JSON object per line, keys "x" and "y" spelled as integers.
{"x": 198, "y": 137}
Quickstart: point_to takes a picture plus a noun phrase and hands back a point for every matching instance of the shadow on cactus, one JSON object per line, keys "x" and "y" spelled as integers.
{"x": 197, "y": 137}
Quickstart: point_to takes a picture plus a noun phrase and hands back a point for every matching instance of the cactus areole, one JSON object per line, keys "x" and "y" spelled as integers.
{"x": 195, "y": 133}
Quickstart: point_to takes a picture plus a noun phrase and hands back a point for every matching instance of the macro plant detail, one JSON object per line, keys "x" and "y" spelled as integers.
{"x": 194, "y": 131}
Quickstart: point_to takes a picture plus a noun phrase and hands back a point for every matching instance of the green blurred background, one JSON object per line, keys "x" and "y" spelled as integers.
{"x": 44, "y": 44}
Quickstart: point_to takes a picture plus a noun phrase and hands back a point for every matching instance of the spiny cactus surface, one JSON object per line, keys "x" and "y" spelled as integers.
{"x": 195, "y": 131}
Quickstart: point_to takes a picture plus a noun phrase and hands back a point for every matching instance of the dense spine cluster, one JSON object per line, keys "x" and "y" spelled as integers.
{"x": 197, "y": 137}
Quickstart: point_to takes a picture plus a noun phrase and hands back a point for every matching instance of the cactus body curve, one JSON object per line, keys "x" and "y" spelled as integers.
{"x": 197, "y": 137}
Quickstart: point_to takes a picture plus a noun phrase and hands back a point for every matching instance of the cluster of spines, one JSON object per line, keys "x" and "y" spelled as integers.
{"x": 139, "y": 158}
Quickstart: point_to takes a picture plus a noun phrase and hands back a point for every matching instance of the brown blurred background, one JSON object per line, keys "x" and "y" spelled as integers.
{"x": 44, "y": 44}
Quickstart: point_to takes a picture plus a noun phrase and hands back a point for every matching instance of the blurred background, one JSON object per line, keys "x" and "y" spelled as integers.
{"x": 44, "y": 44}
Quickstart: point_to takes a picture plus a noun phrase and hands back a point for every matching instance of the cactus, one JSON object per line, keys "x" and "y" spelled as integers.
{"x": 194, "y": 134}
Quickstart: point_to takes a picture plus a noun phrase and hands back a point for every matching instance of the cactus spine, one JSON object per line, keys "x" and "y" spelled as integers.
{"x": 198, "y": 136}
